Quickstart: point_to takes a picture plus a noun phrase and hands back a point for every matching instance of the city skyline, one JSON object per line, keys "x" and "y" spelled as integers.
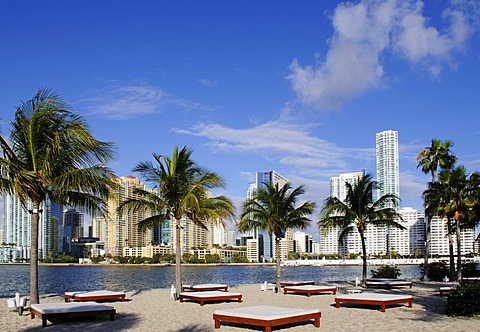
{"x": 296, "y": 87}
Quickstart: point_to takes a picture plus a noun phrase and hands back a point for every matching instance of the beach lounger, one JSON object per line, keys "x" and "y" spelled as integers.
{"x": 374, "y": 299}
{"x": 388, "y": 283}
{"x": 204, "y": 287}
{"x": 266, "y": 316}
{"x": 445, "y": 289}
{"x": 50, "y": 311}
{"x": 94, "y": 296}
{"x": 210, "y": 296}
{"x": 296, "y": 283}
{"x": 310, "y": 289}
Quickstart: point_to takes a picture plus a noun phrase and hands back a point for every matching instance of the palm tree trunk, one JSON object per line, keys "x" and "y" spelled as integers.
{"x": 364, "y": 269}
{"x": 178, "y": 257}
{"x": 34, "y": 298}
{"x": 277, "y": 254}
{"x": 450, "y": 250}
{"x": 427, "y": 247}
{"x": 459, "y": 253}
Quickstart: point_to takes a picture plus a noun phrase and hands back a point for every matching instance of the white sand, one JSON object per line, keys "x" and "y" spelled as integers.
{"x": 155, "y": 310}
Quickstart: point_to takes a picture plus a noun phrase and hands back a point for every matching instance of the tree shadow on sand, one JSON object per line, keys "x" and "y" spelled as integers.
{"x": 193, "y": 328}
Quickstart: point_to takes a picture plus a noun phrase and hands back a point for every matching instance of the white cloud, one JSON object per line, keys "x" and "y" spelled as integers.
{"x": 125, "y": 101}
{"x": 364, "y": 32}
{"x": 290, "y": 144}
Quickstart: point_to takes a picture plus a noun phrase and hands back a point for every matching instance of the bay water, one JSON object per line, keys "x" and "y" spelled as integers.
{"x": 59, "y": 279}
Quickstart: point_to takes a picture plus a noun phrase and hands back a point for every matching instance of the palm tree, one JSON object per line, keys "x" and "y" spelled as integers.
{"x": 358, "y": 211}
{"x": 273, "y": 208}
{"x": 51, "y": 154}
{"x": 461, "y": 203}
{"x": 180, "y": 189}
{"x": 435, "y": 196}
{"x": 429, "y": 159}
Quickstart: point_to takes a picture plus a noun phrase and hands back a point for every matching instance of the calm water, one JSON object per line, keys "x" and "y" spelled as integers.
{"x": 59, "y": 279}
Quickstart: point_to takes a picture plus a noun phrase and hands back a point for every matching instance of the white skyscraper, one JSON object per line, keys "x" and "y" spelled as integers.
{"x": 329, "y": 238}
{"x": 388, "y": 164}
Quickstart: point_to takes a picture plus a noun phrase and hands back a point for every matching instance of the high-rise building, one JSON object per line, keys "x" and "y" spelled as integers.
{"x": 17, "y": 227}
{"x": 121, "y": 230}
{"x": 72, "y": 228}
{"x": 329, "y": 243}
{"x": 265, "y": 242}
{"x": 388, "y": 165}
{"x": 439, "y": 238}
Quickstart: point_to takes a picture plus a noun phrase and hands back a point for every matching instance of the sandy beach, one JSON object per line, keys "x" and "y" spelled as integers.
{"x": 155, "y": 310}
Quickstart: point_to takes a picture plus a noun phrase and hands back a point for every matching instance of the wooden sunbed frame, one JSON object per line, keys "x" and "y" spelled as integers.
{"x": 296, "y": 283}
{"x": 94, "y": 296}
{"x": 205, "y": 287}
{"x": 265, "y": 322}
{"x": 309, "y": 289}
{"x": 210, "y": 296}
{"x": 362, "y": 298}
{"x": 101, "y": 310}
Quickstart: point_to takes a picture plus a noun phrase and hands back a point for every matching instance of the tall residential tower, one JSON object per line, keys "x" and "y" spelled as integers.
{"x": 388, "y": 164}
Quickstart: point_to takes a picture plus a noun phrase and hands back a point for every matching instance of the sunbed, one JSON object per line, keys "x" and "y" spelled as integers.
{"x": 388, "y": 283}
{"x": 210, "y": 296}
{"x": 445, "y": 289}
{"x": 204, "y": 287}
{"x": 297, "y": 283}
{"x": 310, "y": 289}
{"x": 94, "y": 296}
{"x": 50, "y": 311}
{"x": 374, "y": 299}
{"x": 266, "y": 316}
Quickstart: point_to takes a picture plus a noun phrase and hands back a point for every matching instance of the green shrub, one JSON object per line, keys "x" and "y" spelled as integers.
{"x": 470, "y": 270}
{"x": 436, "y": 271}
{"x": 386, "y": 271}
{"x": 464, "y": 300}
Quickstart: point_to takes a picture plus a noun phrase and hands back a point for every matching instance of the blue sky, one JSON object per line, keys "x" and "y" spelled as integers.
{"x": 300, "y": 87}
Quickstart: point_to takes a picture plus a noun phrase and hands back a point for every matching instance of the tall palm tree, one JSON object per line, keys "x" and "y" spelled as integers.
{"x": 435, "y": 196}
{"x": 358, "y": 211}
{"x": 180, "y": 189}
{"x": 429, "y": 159}
{"x": 273, "y": 208}
{"x": 461, "y": 203}
{"x": 52, "y": 154}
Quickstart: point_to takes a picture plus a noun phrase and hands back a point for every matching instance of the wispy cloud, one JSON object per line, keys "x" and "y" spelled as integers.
{"x": 365, "y": 32}
{"x": 126, "y": 101}
{"x": 290, "y": 144}
{"x": 208, "y": 83}
{"x": 306, "y": 159}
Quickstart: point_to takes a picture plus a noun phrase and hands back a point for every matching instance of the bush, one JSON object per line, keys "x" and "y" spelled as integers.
{"x": 386, "y": 271}
{"x": 464, "y": 300}
{"x": 470, "y": 270}
{"x": 437, "y": 271}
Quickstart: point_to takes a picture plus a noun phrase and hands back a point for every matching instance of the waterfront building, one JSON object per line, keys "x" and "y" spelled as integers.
{"x": 329, "y": 244}
{"x": 147, "y": 251}
{"x": 121, "y": 230}
{"x": 388, "y": 164}
{"x": 303, "y": 243}
{"x": 411, "y": 240}
{"x": 17, "y": 228}
{"x": 225, "y": 255}
{"x": 265, "y": 245}
{"x": 252, "y": 250}
{"x": 439, "y": 238}
{"x": 72, "y": 228}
